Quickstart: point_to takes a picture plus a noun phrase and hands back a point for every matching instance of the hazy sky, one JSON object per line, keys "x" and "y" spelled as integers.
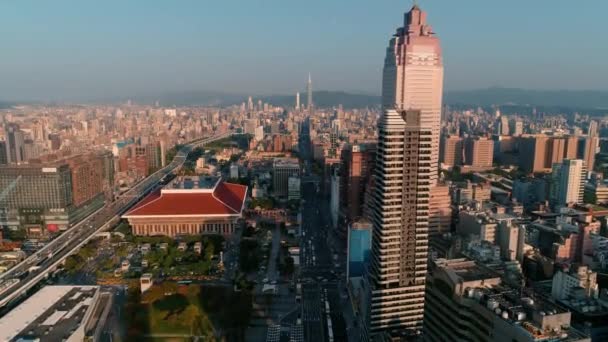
{"x": 96, "y": 49}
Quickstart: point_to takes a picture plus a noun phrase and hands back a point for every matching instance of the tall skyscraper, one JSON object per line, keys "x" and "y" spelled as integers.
{"x": 309, "y": 92}
{"x": 413, "y": 75}
{"x": 406, "y": 170}
{"x": 400, "y": 216}
{"x": 297, "y": 101}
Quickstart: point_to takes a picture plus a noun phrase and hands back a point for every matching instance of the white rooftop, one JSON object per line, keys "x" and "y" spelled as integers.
{"x": 27, "y": 312}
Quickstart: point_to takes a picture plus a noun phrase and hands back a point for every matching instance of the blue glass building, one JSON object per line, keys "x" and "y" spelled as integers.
{"x": 359, "y": 248}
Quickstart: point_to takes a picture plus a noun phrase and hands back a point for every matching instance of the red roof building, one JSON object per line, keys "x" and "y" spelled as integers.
{"x": 189, "y": 206}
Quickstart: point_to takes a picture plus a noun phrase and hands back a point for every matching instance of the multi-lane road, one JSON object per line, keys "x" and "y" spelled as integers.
{"x": 321, "y": 274}
{"x": 18, "y": 280}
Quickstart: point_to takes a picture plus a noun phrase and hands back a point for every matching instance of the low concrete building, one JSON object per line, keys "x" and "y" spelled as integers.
{"x": 58, "y": 313}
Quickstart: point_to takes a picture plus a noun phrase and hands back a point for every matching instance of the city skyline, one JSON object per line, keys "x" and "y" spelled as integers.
{"x": 311, "y": 216}
{"x": 84, "y": 52}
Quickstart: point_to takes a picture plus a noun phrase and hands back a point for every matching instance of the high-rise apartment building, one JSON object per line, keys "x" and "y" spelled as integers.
{"x": 588, "y": 149}
{"x": 567, "y": 182}
{"x": 400, "y": 216}
{"x": 451, "y": 151}
{"x": 356, "y": 165}
{"x": 406, "y": 170}
{"x": 539, "y": 152}
{"x": 478, "y": 152}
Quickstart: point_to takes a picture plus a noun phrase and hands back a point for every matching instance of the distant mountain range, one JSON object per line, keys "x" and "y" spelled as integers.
{"x": 508, "y": 97}
{"x": 513, "y": 100}
{"x": 6, "y": 105}
{"x": 591, "y": 99}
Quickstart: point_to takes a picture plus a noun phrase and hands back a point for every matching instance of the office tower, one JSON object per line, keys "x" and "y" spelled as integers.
{"x": 516, "y": 127}
{"x": 297, "y": 101}
{"x": 588, "y": 147}
{"x": 283, "y": 168}
{"x": 52, "y": 194}
{"x": 309, "y": 93}
{"x": 356, "y": 166}
{"x": 400, "y": 216}
{"x": 567, "y": 182}
{"x": 451, "y": 151}
{"x": 413, "y": 76}
{"x": 478, "y": 152}
{"x": 359, "y": 244}
{"x": 593, "y": 129}
{"x": 14, "y": 143}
